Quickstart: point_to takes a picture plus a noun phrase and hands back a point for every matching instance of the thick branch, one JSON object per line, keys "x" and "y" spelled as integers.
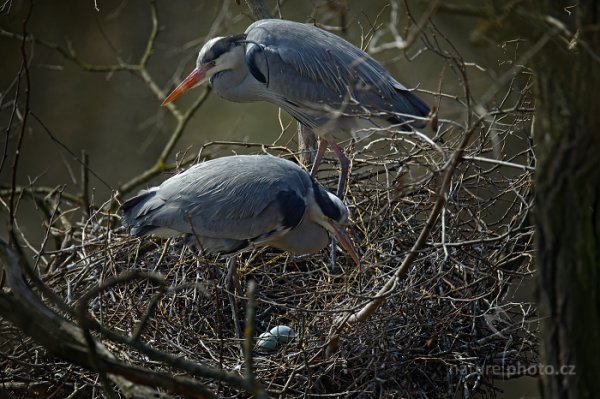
{"x": 24, "y": 309}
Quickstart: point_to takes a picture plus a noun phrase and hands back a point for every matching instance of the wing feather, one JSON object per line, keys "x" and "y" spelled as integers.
{"x": 309, "y": 66}
{"x": 240, "y": 198}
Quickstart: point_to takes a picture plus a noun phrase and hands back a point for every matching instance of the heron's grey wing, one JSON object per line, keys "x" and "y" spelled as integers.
{"x": 310, "y": 66}
{"x": 240, "y": 197}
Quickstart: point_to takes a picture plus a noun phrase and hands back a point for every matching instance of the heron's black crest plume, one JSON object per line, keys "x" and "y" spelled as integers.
{"x": 327, "y": 206}
{"x": 222, "y": 46}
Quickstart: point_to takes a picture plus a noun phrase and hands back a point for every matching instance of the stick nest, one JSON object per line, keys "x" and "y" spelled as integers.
{"x": 452, "y": 325}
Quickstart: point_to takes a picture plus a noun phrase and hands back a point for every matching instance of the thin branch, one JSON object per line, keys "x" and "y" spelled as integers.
{"x": 498, "y": 162}
{"x": 258, "y": 9}
{"x": 249, "y": 341}
{"x": 81, "y": 162}
{"x": 12, "y": 206}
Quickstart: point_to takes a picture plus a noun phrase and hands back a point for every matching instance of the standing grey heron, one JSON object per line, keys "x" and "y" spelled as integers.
{"x": 320, "y": 79}
{"x": 232, "y": 204}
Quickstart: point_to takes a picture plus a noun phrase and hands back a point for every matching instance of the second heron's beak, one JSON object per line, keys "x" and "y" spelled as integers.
{"x": 197, "y": 77}
{"x": 346, "y": 243}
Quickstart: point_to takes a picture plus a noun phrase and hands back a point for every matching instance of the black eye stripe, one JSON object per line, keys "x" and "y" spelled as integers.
{"x": 222, "y": 46}
{"x": 327, "y": 206}
{"x": 219, "y": 48}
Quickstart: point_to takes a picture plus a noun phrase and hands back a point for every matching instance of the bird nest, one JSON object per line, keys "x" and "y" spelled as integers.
{"x": 451, "y": 324}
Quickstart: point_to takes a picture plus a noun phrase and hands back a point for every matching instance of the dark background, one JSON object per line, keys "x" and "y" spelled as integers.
{"x": 118, "y": 120}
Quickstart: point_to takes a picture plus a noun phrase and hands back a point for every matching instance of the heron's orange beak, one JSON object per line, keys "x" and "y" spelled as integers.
{"x": 198, "y": 76}
{"x": 346, "y": 243}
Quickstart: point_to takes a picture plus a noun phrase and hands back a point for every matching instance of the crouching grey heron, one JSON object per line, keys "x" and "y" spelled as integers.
{"x": 232, "y": 204}
{"x": 320, "y": 79}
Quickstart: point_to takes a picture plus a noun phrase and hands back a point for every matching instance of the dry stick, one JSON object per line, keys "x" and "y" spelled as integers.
{"x": 257, "y": 389}
{"x": 230, "y": 289}
{"x": 34, "y": 192}
{"x": 54, "y": 332}
{"x": 368, "y": 309}
{"x": 139, "y": 70}
{"x": 259, "y": 9}
{"x": 413, "y": 34}
{"x": 175, "y": 361}
{"x": 182, "y": 119}
{"x": 61, "y": 337}
{"x": 150, "y": 173}
{"x": 24, "y": 70}
{"x": 152, "y": 305}
{"x": 16, "y": 264}
{"x": 94, "y": 356}
{"x": 54, "y": 214}
{"x": 66, "y": 148}
{"x": 85, "y": 182}
{"x": 12, "y": 205}
{"x": 160, "y": 165}
{"x": 249, "y": 331}
{"x": 70, "y": 55}
{"x": 87, "y": 323}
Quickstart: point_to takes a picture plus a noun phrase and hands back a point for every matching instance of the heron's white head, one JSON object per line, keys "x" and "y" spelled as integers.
{"x": 334, "y": 209}
{"x": 332, "y": 215}
{"x": 218, "y": 54}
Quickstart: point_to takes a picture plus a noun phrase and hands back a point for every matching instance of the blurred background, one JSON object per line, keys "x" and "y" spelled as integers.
{"x": 117, "y": 119}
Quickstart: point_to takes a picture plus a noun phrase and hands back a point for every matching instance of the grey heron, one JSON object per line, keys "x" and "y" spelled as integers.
{"x": 232, "y": 204}
{"x": 323, "y": 81}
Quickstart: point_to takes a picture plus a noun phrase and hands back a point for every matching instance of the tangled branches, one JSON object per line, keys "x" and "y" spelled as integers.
{"x": 120, "y": 316}
{"x": 450, "y": 325}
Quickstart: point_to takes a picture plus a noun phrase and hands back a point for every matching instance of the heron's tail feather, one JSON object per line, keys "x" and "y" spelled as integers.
{"x": 137, "y": 212}
{"x": 419, "y": 106}
{"x": 408, "y": 103}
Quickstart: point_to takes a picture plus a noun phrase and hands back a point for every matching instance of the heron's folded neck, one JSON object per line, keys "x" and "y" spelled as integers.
{"x": 307, "y": 238}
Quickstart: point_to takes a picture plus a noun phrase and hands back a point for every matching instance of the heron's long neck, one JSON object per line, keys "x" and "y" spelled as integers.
{"x": 306, "y": 238}
{"x": 231, "y": 83}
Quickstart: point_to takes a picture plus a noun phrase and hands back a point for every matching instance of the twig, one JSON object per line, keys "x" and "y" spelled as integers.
{"x": 257, "y": 391}
{"x": 258, "y": 9}
{"x": 498, "y": 162}
{"x": 160, "y": 164}
{"x": 12, "y": 206}
{"x": 85, "y": 183}
{"x": 63, "y": 146}
{"x": 66, "y": 340}
{"x": 134, "y": 342}
{"x": 390, "y": 285}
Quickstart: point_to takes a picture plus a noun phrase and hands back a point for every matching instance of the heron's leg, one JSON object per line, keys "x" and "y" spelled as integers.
{"x": 332, "y": 255}
{"x": 230, "y": 289}
{"x": 319, "y": 157}
{"x": 345, "y": 166}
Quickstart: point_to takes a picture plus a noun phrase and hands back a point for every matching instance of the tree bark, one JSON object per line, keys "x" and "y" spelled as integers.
{"x": 568, "y": 199}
